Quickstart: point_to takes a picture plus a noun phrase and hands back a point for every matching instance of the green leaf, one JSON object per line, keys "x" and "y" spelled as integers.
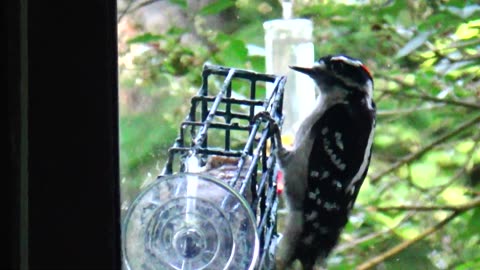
{"x": 408, "y": 232}
{"x": 474, "y": 222}
{"x": 383, "y": 140}
{"x": 257, "y": 63}
{"x": 216, "y": 7}
{"x": 388, "y": 221}
{"x": 467, "y": 30}
{"x": 181, "y": 3}
{"x": 424, "y": 174}
{"x": 465, "y": 146}
{"x": 438, "y": 19}
{"x": 234, "y": 54}
{"x": 454, "y": 195}
{"x": 145, "y": 38}
{"x": 470, "y": 265}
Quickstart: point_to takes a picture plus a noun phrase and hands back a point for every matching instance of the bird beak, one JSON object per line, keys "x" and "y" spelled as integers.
{"x": 304, "y": 70}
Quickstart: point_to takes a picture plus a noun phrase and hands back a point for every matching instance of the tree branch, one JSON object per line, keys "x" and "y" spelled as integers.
{"x": 414, "y": 208}
{"x": 124, "y": 12}
{"x": 397, "y": 112}
{"x": 129, "y": 8}
{"x": 464, "y": 168}
{"x": 469, "y": 105}
{"x": 419, "y": 153}
{"x": 369, "y": 264}
{"x": 375, "y": 235}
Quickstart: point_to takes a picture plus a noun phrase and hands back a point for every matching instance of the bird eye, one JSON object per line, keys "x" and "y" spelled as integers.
{"x": 337, "y": 66}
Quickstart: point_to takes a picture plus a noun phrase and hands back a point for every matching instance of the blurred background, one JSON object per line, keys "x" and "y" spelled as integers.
{"x": 420, "y": 205}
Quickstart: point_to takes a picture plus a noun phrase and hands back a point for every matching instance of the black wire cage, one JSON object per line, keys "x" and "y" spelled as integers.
{"x": 214, "y": 205}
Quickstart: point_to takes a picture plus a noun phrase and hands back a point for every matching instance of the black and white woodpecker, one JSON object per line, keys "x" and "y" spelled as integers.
{"x": 325, "y": 169}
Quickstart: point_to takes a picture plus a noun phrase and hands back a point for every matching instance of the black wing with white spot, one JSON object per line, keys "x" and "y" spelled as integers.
{"x": 341, "y": 151}
{"x": 337, "y": 167}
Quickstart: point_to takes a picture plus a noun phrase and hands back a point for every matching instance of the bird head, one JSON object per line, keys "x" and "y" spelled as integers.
{"x": 339, "y": 72}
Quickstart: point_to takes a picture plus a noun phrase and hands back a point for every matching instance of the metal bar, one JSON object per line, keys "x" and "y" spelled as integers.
{"x": 228, "y": 116}
{"x": 266, "y": 175}
{"x": 216, "y": 125}
{"x": 207, "y": 151}
{"x": 230, "y": 100}
{"x": 268, "y": 208}
{"x": 233, "y": 115}
{"x": 244, "y": 74}
{"x": 269, "y": 235}
{"x": 202, "y": 135}
{"x": 255, "y": 158}
{"x": 204, "y": 110}
{"x": 253, "y": 90}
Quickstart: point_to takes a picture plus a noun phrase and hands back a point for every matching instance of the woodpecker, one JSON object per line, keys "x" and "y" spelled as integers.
{"x": 329, "y": 160}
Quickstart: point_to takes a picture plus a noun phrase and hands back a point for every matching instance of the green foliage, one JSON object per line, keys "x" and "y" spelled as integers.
{"x": 216, "y": 7}
{"x": 425, "y": 58}
{"x": 145, "y": 38}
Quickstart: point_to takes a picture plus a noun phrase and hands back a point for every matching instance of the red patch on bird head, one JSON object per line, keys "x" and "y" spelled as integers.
{"x": 280, "y": 183}
{"x": 366, "y": 69}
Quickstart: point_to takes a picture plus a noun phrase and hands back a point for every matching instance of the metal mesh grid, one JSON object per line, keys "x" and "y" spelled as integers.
{"x": 216, "y": 116}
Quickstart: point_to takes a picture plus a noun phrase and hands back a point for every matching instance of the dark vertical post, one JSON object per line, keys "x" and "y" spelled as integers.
{"x": 15, "y": 143}
{"x": 73, "y": 187}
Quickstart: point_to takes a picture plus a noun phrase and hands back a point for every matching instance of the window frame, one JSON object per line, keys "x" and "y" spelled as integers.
{"x": 63, "y": 185}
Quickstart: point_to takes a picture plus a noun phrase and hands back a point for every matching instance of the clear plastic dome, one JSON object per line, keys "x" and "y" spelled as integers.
{"x": 190, "y": 221}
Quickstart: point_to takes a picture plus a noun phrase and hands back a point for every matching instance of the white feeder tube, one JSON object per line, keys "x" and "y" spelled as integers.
{"x": 289, "y": 42}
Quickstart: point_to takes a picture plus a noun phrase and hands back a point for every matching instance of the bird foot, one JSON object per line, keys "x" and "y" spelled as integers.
{"x": 266, "y": 116}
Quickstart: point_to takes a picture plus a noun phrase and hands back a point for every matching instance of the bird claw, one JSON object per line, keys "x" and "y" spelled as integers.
{"x": 273, "y": 125}
{"x": 264, "y": 115}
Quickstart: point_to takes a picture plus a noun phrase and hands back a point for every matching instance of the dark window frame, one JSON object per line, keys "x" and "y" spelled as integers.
{"x": 62, "y": 101}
